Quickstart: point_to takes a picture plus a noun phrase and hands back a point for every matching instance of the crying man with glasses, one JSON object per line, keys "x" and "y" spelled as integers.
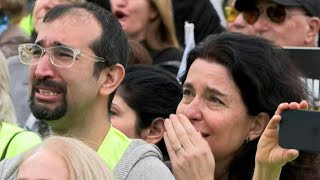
{"x": 285, "y": 22}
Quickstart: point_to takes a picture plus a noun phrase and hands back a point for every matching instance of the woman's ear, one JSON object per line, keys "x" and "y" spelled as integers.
{"x": 153, "y": 12}
{"x": 155, "y": 132}
{"x": 110, "y": 79}
{"x": 258, "y": 126}
{"x": 312, "y": 31}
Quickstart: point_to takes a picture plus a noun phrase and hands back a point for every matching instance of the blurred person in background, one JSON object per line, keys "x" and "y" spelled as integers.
{"x": 6, "y": 106}
{"x": 151, "y": 23}
{"x": 102, "y": 3}
{"x": 218, "y": 6}
{"x": 14, "y": 140}
{"x": 11, "y": 35}
{"x": 146, "y": 96}
{"x": 26, "y": 22}
{"x": 201, "y": 13}
{"x": 285, "y": 22}
{"x": 138, "y": 54}
{"x": 235, "y": 20}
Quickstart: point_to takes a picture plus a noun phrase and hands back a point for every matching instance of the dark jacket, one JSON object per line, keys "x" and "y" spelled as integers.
{"x": 201, "y": 13}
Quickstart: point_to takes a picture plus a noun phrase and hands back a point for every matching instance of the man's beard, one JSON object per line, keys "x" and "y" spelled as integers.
{"x": 42, "y": 112}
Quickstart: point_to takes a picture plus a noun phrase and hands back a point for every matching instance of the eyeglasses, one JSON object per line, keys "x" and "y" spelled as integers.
{"x": 276, "y": 13}
{"x": 230, "y": 13}
{"x": 60, "y": 56}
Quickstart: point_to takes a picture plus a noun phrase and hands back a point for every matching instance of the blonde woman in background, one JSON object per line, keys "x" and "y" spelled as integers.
{"x": 151, "y": 23}
{"x": 63, "y": 158}
{"x": 6, "y": 106}
{"x": 13, "y": 140}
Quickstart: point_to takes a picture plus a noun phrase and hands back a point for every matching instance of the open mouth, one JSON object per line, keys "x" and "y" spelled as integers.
{"x": 204, "y": 135}
{"x": 48, "y": 92}
{"x": 121, "y": 16}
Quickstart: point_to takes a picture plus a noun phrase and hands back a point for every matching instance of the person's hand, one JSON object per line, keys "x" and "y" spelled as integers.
{"x": 270, "y": 157}
{"x": 190, "y": 154}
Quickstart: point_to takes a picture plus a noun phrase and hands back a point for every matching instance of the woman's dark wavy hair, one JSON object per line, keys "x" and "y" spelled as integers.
{"x": 151, "y": 92}
{"x": 264, "y": 75}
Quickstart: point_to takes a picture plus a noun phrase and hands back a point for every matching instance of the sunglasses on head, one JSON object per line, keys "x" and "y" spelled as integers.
{"x": 276, "y": 13}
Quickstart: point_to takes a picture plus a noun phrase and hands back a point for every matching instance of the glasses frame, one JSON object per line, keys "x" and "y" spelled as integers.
{"x": 230, "y": 13}
{"x": 44, "y": 50}
{"x": 258, "y": 11}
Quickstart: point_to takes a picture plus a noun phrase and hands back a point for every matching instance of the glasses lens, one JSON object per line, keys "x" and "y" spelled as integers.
{"x": 62, "y": 56}
{"x": 230, "y": 13}
{"x": 276, "y": 13}
{"x": 30, "y": 53}
{"x": 251, "y": 16}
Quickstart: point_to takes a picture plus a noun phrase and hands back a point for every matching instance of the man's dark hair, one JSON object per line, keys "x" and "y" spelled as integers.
{"x": 102, "y": 3}
{"x": 112, "y": 45}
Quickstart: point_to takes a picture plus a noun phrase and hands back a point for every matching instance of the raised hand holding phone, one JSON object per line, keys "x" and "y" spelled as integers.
{"x": 270, "y": 156}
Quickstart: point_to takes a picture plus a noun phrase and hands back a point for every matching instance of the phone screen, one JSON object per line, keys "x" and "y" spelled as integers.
{"x": 300, "y": 129}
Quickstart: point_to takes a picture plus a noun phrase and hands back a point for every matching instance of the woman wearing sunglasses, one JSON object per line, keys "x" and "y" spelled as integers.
{"x": 286, "y": 22}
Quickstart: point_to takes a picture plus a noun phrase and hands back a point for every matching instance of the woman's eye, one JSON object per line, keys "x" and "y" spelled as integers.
{"x": 215, "y": 100}
{"x": 113, "y": 113}
{"x": 186, "y": 92}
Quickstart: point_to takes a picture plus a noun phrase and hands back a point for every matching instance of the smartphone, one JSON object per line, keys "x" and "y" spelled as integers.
{"x": 300, "y": 129}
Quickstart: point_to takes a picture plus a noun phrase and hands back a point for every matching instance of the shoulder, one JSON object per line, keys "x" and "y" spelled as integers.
{"x": 27, "y": 138}
{"x": 21, "y": 135}
{"x": 168, "y": 54}
{"x": 142, "y": 161}
{"x": 138, "y": 149}
{"x": 21, "y": 141}
{"x": 150, "y": 168}
{"x": 141, "y": 148}
{"x": 9, "y": 129}
{"x": 14, "y": 34}
{"x": 8, "y": 168}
